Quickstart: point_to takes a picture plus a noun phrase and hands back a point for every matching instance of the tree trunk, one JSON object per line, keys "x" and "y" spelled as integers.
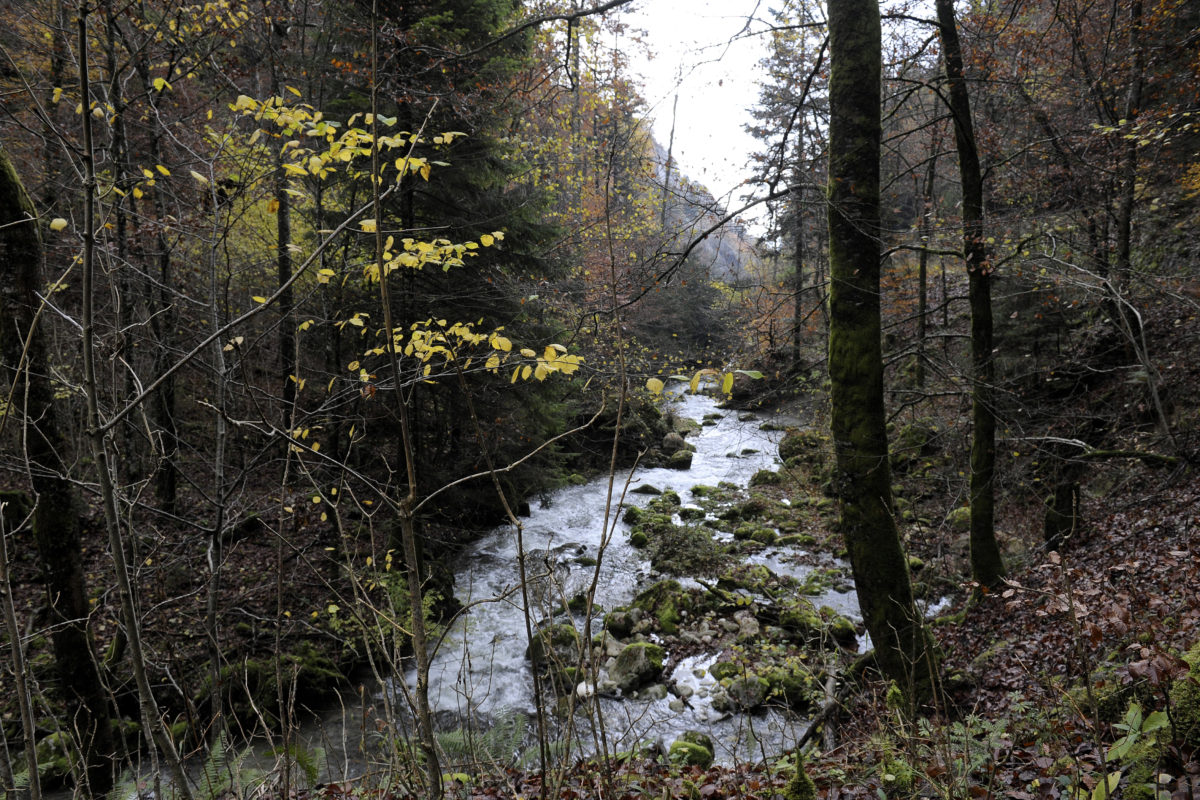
{"x": 855, "y": 356}
{"x": 987, "y": 565}
{"x": 56, "y": 521}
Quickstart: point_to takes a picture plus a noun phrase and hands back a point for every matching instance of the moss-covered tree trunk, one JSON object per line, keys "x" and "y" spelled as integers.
{"x": 855, "y": 354}
{"x": 56, "y": 520}
{"x": 987, "y": 565}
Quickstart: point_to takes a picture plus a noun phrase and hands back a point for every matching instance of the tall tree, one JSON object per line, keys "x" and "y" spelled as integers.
{"x": 855, "y": 354}
{"x": 987, "y": 565}
{"x": 56, "y": 522}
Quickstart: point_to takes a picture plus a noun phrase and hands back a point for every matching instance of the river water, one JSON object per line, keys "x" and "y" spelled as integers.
{"x": 481, "y": 670}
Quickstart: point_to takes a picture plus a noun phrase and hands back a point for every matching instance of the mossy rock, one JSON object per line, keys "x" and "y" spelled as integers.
{"x": 685, "y": 550}
{"x": 250, "y": 686}
{"x": 703, "y": 490}
{"x": 745, "y": 532}
{"x": 724, "y": 669}
{"x": 639, "y": 539}
{"x": 800, "y": 444}
{"x": 959, "y": 519}
{"x": 797, "y": 685}
{"x": 662, "y": 601}
{"x": 691, "y": 513}
{"x": 799, "y": 618}
{"x": 639, "y": 664}
{"x": 751, "y": 577}
{"x": 843, "y": 631}
{"x": 755, "y": 506}
{"x": 633, "y": 515}
{"x": 764, "y": 536}
{"x": 796, "y": 540}
{"x": 575, "y": 479}
{"x": 689, "y": 754}
{"x": 55, "y": 752}
{"x": 914, "y": 441}
{"x": 554, "y": 643}
{"x": 685, "y": 426}
{"x": 666, "y": 500}
{"x": 646, "y": 488}
{"x": 619, "y": 623}
{"x": 766, "y": 477}
{"x": 680, "y": 459}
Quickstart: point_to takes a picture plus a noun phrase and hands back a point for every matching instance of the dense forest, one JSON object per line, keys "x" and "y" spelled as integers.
{"x": 301, "y": 301}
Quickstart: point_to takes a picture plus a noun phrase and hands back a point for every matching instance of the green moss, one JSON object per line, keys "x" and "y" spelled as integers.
{"x": 680, "y": 459}
{"x": 724, "y": 669}
{"x": 1185, "y": 700}
{"x": 799, "y": 618}
{"x": 806, "y": 444}
{"x": 764, "y": 536}
{"x": 689, "y": 754}
{"x": 554, "y": 643}
{"x": 662, "y": 601}
{"x": 796, "y": 540}
{"x": 800, "y": 787}
{"x": 639, "y": 539}
{"x": 633, "y": 515}
{"x": 959, "y": 519}
{"x": 766, "y": 477}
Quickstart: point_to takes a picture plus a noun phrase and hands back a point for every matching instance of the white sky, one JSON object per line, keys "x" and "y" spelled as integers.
{"x": 716, "y": 81}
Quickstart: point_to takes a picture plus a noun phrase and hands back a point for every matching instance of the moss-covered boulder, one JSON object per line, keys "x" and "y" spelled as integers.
{"x": 743, "y": 693}
{"x": 663, "y": 601}
{"x": 801, "y": 619}
{"x": 688, "y": 754}
{"x": 673, "y": 443}
{"x": 639, "y": 664}
{"x": 633, "y": 514}
{"x": 554, "y": 644}
{"x": 766, "y": 477}
{"x": 680, "y": 459}
{"x": 912, "y": 442}
{"x": 959, "y": 519}
{"x": 692, "y": 748}
{"x": 806, "y": 446}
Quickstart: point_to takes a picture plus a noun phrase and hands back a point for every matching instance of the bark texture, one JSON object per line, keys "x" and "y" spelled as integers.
{"x": 855, "y": 354}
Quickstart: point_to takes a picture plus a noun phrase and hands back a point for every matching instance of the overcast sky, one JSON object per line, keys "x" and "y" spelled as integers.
{"x": 704, "y": 56}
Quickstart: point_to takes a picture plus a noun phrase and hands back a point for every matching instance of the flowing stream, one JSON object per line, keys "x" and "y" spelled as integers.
{"x": 481, "y": 670}
{"x": 480, "y": 674}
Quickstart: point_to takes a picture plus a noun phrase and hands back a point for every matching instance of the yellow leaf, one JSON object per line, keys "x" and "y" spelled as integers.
{"x": 525, "y": 351}
{"x": 137, "y": 193}
{"x": 198, "y": 177}
{"x": 293, "y": 90}
{"x": 58, "y": 224}
{"x": 541, "y": 372}
{"x": 367, "y": 225}
{"x": 727, "y": 384}
{"x": 258, "y": 298}
{"x": 655, "y": 385}
{"x": 163, "y": 170}
{"x": 272, "y": 206}
{"x": 525, "y": 372}
{"x": 493, "y": 363}
{"x": 487, "y": 240}
{"x": 54, "y": 98}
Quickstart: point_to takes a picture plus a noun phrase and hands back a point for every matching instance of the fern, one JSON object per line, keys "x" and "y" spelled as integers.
{"x": 499, "y": 744}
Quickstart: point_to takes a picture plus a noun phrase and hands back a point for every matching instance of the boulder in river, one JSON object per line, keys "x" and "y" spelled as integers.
{"x": 639, "y": 664}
